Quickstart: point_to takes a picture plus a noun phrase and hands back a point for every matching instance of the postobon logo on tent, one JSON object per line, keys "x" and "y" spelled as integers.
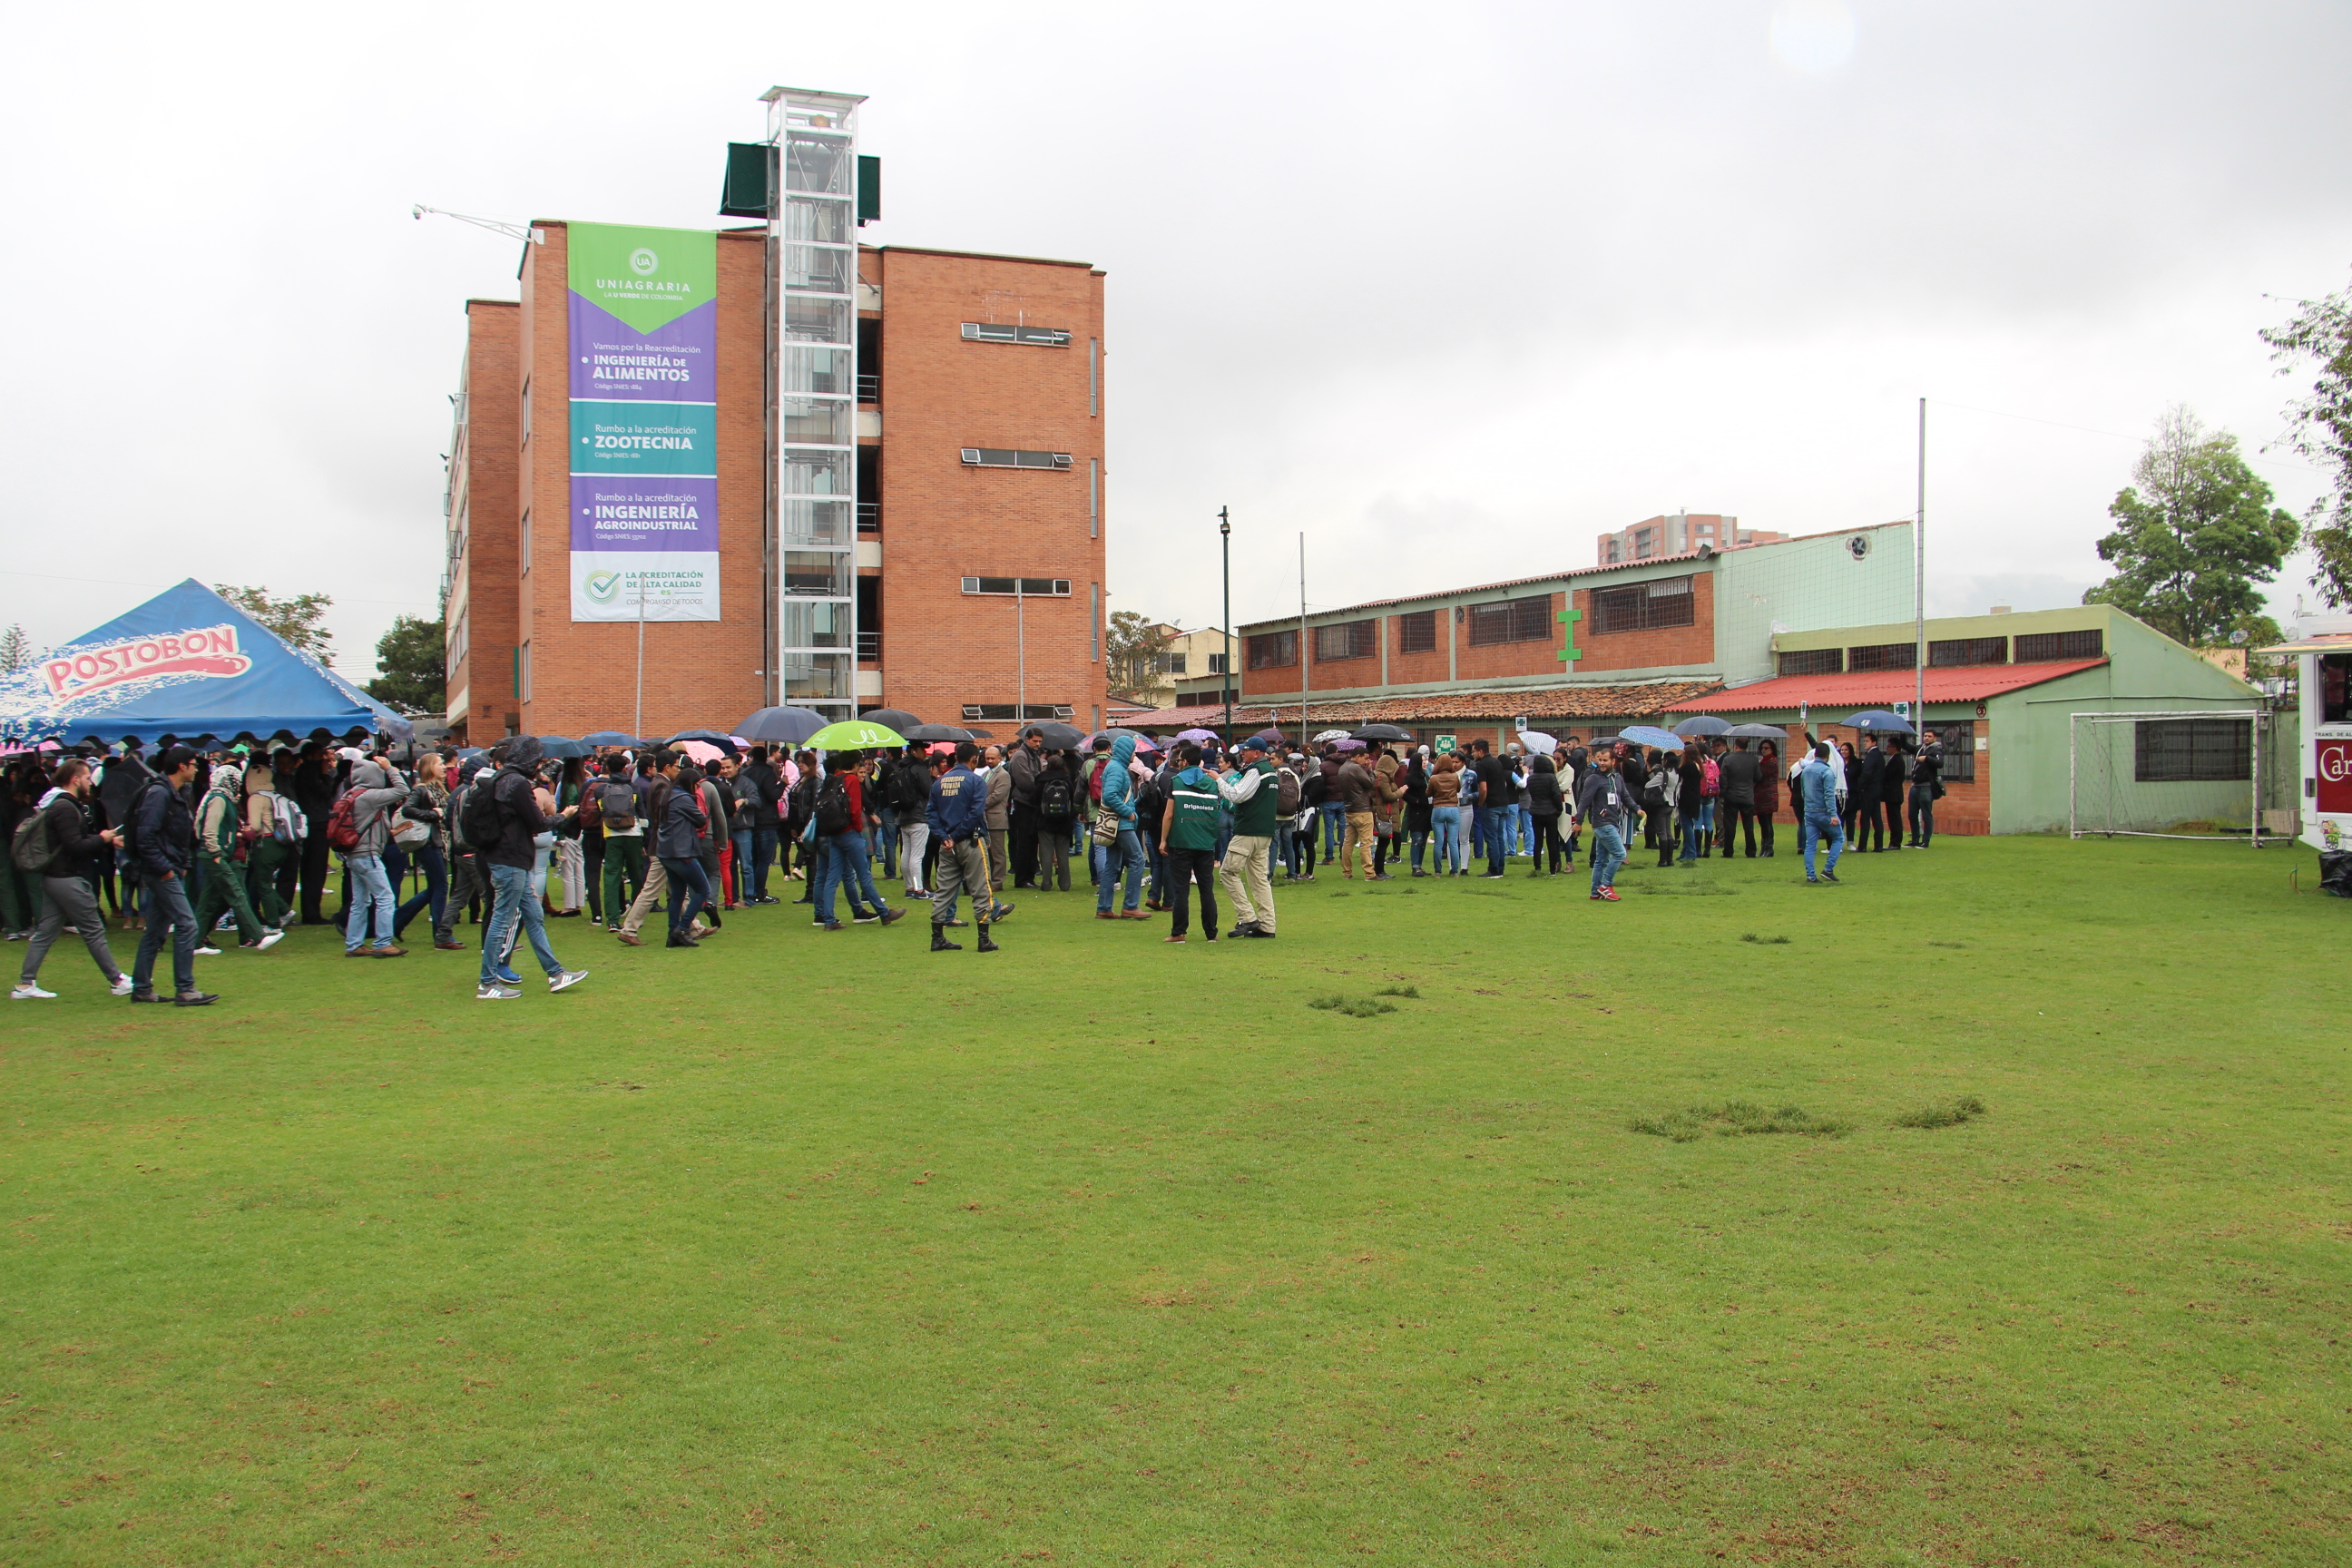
{"x": 644, "y": 261}
{"x": 602, "y": 586}
{"x": 208, "y": 650}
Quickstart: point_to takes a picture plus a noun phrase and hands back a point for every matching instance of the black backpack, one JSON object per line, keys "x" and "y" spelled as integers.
{"x": 477, "y": 818}
{"x": 616, "y": 800}
{"x": 1055, "y": 803}
{"x": 832, "y": 806}
{"x": 910, "y": 784}
{"x": 129, "y": 851}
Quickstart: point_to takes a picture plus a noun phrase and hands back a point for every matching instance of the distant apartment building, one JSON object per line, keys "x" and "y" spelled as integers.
{"x": 1677, "y": 533}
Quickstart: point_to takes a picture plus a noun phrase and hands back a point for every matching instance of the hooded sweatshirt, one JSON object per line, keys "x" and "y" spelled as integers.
{"x": 1118, "y": 784}
{"x": 371, "y": 813}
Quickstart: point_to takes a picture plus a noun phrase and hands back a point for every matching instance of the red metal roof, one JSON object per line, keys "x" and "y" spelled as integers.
{"x": 1876, "y": 688}
{"x": 1587, "y": 701}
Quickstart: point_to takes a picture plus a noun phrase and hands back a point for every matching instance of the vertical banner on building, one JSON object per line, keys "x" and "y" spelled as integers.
{"x": 645, "y": 404}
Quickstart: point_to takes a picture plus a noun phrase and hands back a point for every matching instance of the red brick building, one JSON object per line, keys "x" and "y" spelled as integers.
{"x": 980, "y": 518}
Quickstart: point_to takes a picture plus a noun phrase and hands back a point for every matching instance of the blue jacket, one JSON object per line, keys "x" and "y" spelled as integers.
{"x": 1118, "y": 784}
{"x": 1817, "y": 789}
{"x": 958, "y": 807}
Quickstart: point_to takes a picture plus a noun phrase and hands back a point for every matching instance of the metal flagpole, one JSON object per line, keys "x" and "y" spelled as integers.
{"x": 1302, "y": 641}
{"x": 1919, "y": 590}
{"x": 640, "y": 720}
{"x": 1021, "y": 658}
{"x": 1226, "y": 545}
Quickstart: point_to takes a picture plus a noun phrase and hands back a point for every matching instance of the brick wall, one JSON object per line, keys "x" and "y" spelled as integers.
{"x": 1690, "y": 645}
{"x": 942, "y": 521}
{"x": 482, "y": 580}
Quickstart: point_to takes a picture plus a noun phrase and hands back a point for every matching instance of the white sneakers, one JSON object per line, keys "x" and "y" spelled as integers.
{"x": 31, "y": 994}
{"x": 208, "y": 951}
{"x": 567, "y": 980}
{"x": 494, "y": 991}
{"x": 121, "y": 987}
{"x": 269, "y": 941}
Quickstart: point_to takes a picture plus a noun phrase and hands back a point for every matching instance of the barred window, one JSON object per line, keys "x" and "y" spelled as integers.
{"x": 1959, "y": 751}
{"x": 1272, "y": 650}
{"x": 2043, "y": 647}
{"x": 2192, "y": 751}
{"x": 1512, "y": 620}
{"x": 1417, "y": 632}
{"x": 1968, "y": 650}
{"x": 1644, "y": 606}
{"x": 1813, "y": 661}
{"x": 1348, "y": 640}
{"x": 1883, "y": 655}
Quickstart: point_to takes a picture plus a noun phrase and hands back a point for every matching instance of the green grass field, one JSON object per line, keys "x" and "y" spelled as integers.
{"x": 823, "y": 1248}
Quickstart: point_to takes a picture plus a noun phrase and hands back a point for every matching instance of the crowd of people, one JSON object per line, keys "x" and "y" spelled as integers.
{"x": 243, "y": 842}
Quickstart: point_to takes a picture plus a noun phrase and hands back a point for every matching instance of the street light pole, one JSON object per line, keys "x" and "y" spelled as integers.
{"x": 1020, "y": 657}
{"x": 1225, "y": 546}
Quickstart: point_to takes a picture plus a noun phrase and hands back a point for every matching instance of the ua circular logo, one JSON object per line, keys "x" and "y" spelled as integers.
{"x": 644, "y": 261}
{"x": 602, "y": 585}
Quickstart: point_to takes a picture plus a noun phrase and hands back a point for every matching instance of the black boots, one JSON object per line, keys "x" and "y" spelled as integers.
{"x": 940, "y": 943}
{"x": 984, "y": 945}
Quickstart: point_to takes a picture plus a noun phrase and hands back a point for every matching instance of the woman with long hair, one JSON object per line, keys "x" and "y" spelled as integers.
{"x": 428, "y": 803}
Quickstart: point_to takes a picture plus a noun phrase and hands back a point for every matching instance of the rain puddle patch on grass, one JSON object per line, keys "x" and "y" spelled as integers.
{"x": 1737, "y": 1119}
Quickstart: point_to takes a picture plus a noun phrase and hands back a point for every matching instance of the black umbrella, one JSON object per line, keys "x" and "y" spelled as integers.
{"x": 1057, "y": 736}
{"x": 931, "y": 731}
{"x": 1757, "y": 732}
{"x": 610, "y": 738}
{"x": 896, "y": 718}
{"x": 564, "y": 746}
{"x": 1703, "y": 724}
{"x": 1383, "y": 733}
{"x": 1879, "y": 721}
{"x": 789, "y": 726}
{"x": 709, "y": 738}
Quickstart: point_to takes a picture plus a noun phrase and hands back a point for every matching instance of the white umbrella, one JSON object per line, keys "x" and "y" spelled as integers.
{"x": 1539, "y": 742}
{"x": 1332, "y": 735}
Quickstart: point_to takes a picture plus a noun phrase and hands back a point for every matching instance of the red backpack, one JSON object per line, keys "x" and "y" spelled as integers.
{"x": 342, "y": 821}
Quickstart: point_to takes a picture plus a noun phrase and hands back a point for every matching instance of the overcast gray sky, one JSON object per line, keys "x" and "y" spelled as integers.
{"x": 1451, "y": 289}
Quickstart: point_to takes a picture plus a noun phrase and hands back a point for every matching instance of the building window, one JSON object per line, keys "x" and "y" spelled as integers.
{"x": 523, "y": 541}
{"x": 526, "y": 412}
{"x": 1960, "y": 752}
{"x": 1094, "y": 621}
{"x": 1348, "y": 640}
{"x": 1030, "y": 587}
{"x": 1646, "y": 607}
{"x": 1813, "y": 661}
{"x": 1513, "y": 620}
{"x": 1272, "y": 650}
{"x": 2043, "y": 647}
{"x": 1005, "y": 332}
{"x": 2191, "y": 751}
{"x": 1968, "y": 650}
{"x": 1169, "y": 664}
{"x": 1216, "y": 663}
{"x": 1007, "y": 457}
{"x": 1883, "y": 655}
{"x": 1417, "y": 632}
{"x": 1093, "y": 377}
{"x": 1015, "y": 712}
{"x": 818, "y": 573}
{"x": 1094, "y": 497}
{"x": 522, "y": 673}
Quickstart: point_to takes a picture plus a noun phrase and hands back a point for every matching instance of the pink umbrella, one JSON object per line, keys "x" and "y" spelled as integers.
{"x": 700, "y": 751}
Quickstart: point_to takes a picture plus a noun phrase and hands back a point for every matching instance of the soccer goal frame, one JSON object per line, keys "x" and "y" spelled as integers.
{"x": 2076, "y": 827}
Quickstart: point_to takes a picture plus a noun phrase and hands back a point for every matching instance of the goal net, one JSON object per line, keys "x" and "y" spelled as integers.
{"x": 2191, "y": 775}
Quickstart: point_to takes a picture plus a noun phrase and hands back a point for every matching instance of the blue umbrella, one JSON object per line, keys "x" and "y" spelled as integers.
{"x": 564, "y": 746}
{"x": 610, "y": 738}
{"x": 1651, "y": 735}
{"x": 1878, "y": 720}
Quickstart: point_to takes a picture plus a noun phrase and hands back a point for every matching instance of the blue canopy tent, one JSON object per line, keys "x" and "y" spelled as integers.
{"x": 186, "y": 663}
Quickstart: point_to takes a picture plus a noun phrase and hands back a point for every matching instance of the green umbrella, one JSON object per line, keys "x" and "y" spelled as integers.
{"x": 852, "y": 736}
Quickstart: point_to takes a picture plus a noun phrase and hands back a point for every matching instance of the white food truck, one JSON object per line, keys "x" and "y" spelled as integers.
{"x": 2322, "y": 644}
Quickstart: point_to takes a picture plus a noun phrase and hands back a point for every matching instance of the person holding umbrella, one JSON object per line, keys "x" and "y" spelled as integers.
{"x": 1736, "y": 802}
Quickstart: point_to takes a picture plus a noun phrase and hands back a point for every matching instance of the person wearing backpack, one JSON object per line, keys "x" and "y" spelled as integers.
{"x": 65, "y": 845}
{"x": 1058, "y": 789}
{"x": 266, "y": 852}
{"x": 161, "y": 838}
{"x": 220, "y": 820}
{"x": 359, "y": 826}
{"x": 616, "y": 804}
{"x": 500, "y": 821}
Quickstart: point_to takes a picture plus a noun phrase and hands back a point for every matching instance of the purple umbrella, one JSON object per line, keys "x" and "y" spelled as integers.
{"x": 1196, "y": 734}
{"x": 1349, "y": 744}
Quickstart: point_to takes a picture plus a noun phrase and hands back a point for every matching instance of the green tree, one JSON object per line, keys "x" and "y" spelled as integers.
{"x": 2195, "y": 532}
{"x": 298, "y": 621}
{"x": 1133, "y": 642}
{"x": 16, "y": 649}
{"x": 412, "y": 667}
{"x": 2321, "y": 430}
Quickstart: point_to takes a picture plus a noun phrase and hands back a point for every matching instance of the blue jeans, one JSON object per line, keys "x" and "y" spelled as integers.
{"x": 1694, "y": 829}
{"x": 371, "y": 895}
{"x": 1334, "y": 827}
{"x": 436, "y": 894}
{"x": 1523, "y": 829}
{"x": 1498, "y": 836}
{"x": 167, "y": 909}
{"x": 689, "y": 889}
{"x": 1608, "y": 854}
{"x": 742, "y": 840}
{"x": 886, "y": 830}
{"x": 764, "y": 854}
{"x": 1820, "y": 827}
{"x": 847, "y": 866}
{"x": 1124, "y": 852}
{"x": 514, "y": 900}
{"x": 1445, "y": 828}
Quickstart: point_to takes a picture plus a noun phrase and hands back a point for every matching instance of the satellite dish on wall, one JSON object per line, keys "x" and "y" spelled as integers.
{"x": 1858, "y": 545}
